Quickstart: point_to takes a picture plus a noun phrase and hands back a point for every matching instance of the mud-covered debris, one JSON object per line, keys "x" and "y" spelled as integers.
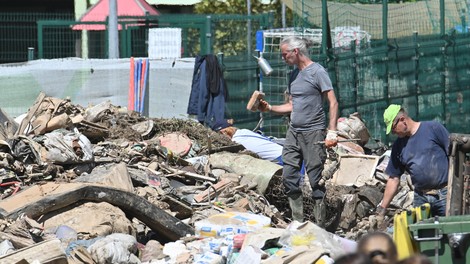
{"x": 134, "y": 163}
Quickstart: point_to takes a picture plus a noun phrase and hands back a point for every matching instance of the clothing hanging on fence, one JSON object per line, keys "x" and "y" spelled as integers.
{"x": 208, "y": 91}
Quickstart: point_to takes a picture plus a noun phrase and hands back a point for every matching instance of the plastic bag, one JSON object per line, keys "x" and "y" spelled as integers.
{"x": 309, "y": 234}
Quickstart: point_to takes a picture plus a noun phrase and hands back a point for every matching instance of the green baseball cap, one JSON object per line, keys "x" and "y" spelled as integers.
{"x": 390, "y": 114}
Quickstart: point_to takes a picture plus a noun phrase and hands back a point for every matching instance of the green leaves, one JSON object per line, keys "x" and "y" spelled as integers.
{"x": 233, "y": 7}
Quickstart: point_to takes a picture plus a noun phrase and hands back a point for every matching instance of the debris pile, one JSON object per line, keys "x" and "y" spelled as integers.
{"x": 105, "y": 185}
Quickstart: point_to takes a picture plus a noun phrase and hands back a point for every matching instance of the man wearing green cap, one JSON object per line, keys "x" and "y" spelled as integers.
{"x": 421, "y": 150}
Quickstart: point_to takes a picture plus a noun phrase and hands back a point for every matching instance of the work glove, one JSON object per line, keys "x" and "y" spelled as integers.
{"x": 331, "y": 139}
{"x": 264, "y": 106}
{"x": 380, "y": 213}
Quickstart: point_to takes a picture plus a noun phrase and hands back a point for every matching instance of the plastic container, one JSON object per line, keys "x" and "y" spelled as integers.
{"x": 230, "y": 223}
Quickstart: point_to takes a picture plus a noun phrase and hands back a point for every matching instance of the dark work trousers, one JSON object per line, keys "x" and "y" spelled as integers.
{"x": 300, "y": 147}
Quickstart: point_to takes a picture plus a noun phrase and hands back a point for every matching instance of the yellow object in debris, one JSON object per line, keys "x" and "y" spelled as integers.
{"x": 302, "y": 239}
{"x": 423, "y": 212}
{"x": 402, "y": 236}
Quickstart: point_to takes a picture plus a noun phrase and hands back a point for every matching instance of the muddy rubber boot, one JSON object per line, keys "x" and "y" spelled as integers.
{"x": 319, "y": 212}
{"x": 297, "y": 207}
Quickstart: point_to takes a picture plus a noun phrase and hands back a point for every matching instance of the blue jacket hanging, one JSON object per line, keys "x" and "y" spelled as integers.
{"x": 208, "y": 91}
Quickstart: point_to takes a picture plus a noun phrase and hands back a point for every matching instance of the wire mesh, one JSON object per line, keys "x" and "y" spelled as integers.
{"x": 403, "y": 18}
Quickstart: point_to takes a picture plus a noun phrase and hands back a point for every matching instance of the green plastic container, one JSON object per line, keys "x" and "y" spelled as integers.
{"x": 444, "y": 240}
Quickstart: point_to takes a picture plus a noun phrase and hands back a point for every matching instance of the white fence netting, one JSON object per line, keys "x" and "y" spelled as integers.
{"x": 89, "y": 82}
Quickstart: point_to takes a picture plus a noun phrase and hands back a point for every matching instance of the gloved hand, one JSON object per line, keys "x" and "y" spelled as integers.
{"x": 380, "y": 217}
{"x": 264, "y": 106}
{"x": 379, "y": 210}
{"x": 331, "y": 139}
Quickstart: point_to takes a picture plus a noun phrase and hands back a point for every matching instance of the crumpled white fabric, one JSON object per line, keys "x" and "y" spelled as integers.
{"x": 116, "y": 248}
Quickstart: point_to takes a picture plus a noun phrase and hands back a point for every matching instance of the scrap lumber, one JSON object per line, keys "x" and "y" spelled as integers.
{"x": 212, "y": 191}
{"x": 188, "y": 174}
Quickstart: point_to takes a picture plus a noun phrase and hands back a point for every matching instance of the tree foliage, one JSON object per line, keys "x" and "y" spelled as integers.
{"x": 231, "y": 35}
{"x": 240, "y": 7}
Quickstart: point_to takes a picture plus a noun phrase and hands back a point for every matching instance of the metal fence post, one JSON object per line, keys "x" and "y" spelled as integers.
{"x": 355, "y": 72}
{"x": 445, "y": 71}
{"x": 324, "y": 26}
{"x": 30, "y": 53}
{"x": 385, "y": 20}
{"x": 113, "y": 38}
{"x": 208, "y": 35}
{"x": 416, "y": 70}
{"x": 248, "y": 29}
{"x": 442, "y": 7}
{"x": 40, "y": 40}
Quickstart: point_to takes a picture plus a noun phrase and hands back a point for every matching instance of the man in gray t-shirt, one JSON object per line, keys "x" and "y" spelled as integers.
{"x": 306, "y": 127}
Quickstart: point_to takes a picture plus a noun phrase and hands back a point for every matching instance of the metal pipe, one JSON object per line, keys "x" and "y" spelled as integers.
{"x": 283, "y": 12}
{"x": 113, "y": 42}
{"x": 248, "y": 27}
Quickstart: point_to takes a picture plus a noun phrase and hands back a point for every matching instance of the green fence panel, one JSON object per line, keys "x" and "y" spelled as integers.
{"x": 345, "y": 82}
{"x": 240, "y": 77}
{"x": 372, "y": 76}
{"x": 18, "y": 32}
{"x": 458, "y": 118}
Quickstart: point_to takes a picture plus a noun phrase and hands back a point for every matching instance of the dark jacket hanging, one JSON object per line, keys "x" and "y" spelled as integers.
{"x": 208, "y": 91}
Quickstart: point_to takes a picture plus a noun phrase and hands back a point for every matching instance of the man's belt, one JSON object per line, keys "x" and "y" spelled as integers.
{"x": 432, "y": 191}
